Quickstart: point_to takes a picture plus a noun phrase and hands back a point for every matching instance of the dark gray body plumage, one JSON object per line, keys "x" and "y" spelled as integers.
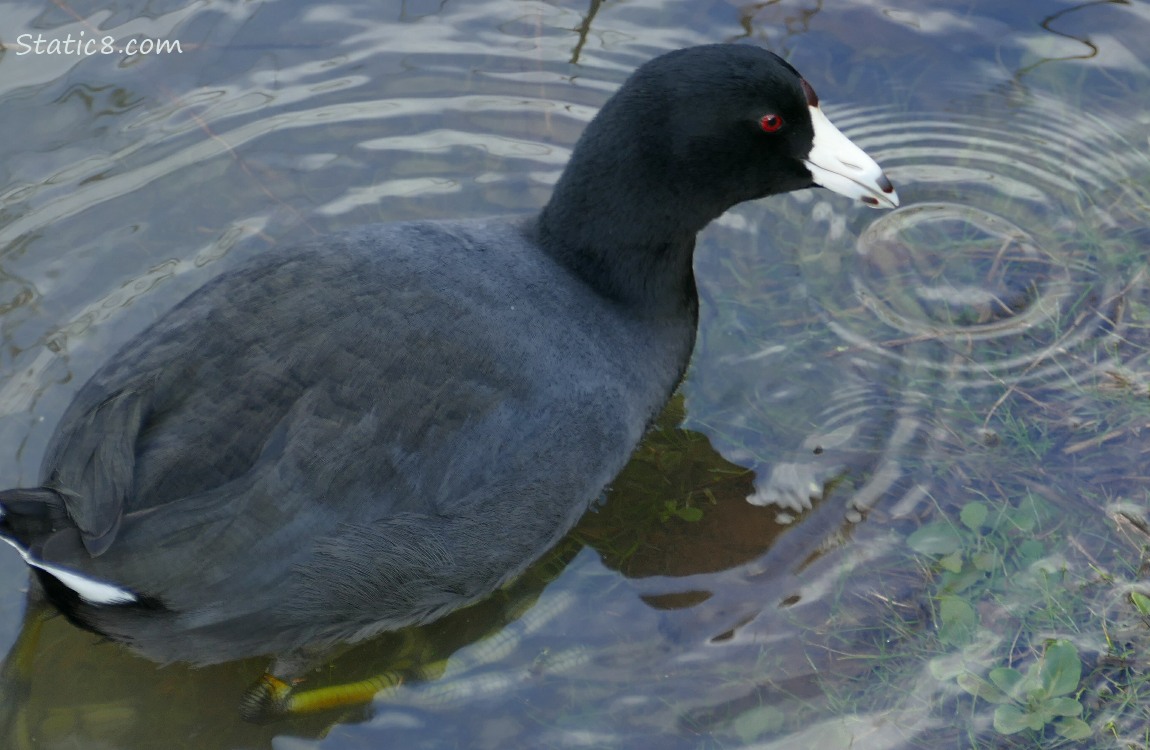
{"x": 376, "y": 428}
{"x": 334, "y": 440}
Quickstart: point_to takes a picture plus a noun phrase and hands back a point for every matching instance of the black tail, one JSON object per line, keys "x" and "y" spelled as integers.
{"x": 31, "y": 514}
{"x": 34, "y": 519}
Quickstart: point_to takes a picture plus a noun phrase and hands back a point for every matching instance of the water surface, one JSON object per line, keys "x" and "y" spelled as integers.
{"x": 859, "y": 375}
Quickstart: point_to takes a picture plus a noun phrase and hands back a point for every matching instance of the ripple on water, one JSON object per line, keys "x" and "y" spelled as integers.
{"x": 1015, "y": 263}
{"x": 307, "y": 147}
{"x": 1007, "y": 269}
{"x": 996, "y": 275}
{"x": 898, "y": 350}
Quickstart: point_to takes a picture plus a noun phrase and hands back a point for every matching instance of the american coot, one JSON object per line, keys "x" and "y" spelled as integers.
{"x": 377, "y": 427}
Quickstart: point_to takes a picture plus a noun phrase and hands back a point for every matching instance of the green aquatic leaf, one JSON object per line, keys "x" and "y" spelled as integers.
{"x": 1022, "y": 521}
{"x": 957, "y": 582}
{"x": 759, "y": 721}
{"x": 1009, "y": 719}
{"x": 672, "y": 509}
{"x": 1063, "y": 707}
{"x": 1073, "y": 729}
{"x": 1061, "y": 669}
{"x": 1030, "y": 550}
{"x": 1027, "y": 515}
{"x": 958, "y": 620}
{"x": 985, "y": 561}
{"x": 980, "y": 688}
{"x": 1007, "y": 680}
{"x": 938, "y": 538}
{"x": 973, "y": 515}
{"x": 952, "y": 562}
{"x": 1141, "y": 602}
{"x": 690, "y": 513}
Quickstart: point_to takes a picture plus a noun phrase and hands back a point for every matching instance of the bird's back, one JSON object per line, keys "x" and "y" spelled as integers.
{"x": 354, "y": 435}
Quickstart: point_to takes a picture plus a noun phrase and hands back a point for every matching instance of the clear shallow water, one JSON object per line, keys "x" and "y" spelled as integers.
{"x": 986, "y": 343}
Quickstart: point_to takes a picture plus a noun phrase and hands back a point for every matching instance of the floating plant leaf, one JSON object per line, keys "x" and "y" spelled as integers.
{"x": 938, "y": 538}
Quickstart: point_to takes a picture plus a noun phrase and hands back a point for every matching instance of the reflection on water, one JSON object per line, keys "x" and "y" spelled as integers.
{"x": 943, "y": 304}
{"x": 879, "y": 372}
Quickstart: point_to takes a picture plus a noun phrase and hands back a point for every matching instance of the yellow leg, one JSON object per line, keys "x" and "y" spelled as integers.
{"x": 348, "y": 694}
{"x": 272, "y": 698}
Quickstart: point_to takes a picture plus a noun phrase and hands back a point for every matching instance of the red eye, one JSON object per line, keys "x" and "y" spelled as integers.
{"x": 770, "y": 123}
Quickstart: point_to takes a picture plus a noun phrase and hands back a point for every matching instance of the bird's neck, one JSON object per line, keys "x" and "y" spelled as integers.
{"x": 624, "y": 231}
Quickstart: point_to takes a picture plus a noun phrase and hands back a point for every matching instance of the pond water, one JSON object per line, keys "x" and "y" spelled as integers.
{"x": 937, "y": 413}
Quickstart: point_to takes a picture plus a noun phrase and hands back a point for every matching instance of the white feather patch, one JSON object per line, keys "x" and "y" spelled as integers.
{"x": 88, "y": 589}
